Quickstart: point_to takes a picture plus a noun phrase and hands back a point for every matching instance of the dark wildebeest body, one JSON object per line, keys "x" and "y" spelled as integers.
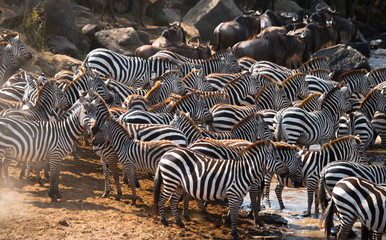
{"x": 241, "y": 28}
{"x": 173, "y": 36}
{"x": 270, "y": 18}
{"x": 281, "y": 49}
{"x": 197, "y": 52}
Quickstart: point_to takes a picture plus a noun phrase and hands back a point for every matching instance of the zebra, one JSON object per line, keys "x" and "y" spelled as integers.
{"x": 355, "y": 81}
{"x": 213, "y": 98}
{"x": 145, "y": 117}
{"x": 37, "y": 142}
{"x": 208, "y": 66}
{"x": 133, "y": 154}
{"x": 354, "y": 198}
{"x": 359, "y": 122}
{"x": 121, "y": 91}
{"x": 132, "y": 71}
{"x": 341, "y": 149}
{"x": 250, "y": 128}
{"x": 19, "y": 49}
{"x": 324, "y": 74}
{"x": 225, "y": 116}
{"x": 239, "y": 88}
{"x": 99, "y": 112}
{"x": 335, "y": 171}
{"x": 229, "y": 58}
{"x": 376, "y": 76}
{"x": 8, "y": 60}
{"x": 195, "y": 80}
{"x": 314, "y": 63}
{"x": 159, "y": 66}
{"x": 312, "y": 103}
{"x": 218, "y": 80}
{"x": 49, "y": 97}
{"x": 176, "y": 172}
{"x": 319, "y": 85}
{"x": 295, "y": 125}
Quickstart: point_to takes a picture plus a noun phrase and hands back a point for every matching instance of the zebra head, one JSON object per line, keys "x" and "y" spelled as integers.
{"x": 280, "y": 99}
{"x": 7, "y": 57}
{"x": 343, "y": 99}
{"x": 276, "y": 164}
{"x": 200, "y": 111}
{"x": 19, "y": 48}
{"x": 100, "y": 133}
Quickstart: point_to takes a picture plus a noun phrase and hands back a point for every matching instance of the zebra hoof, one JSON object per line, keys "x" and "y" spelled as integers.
{"x": 118, "y": 198}
{"x": 306, "y": 214}
{"x": 235, "y": 235}
{"x": 181, "y": 224}
{"x": 53, "y": 197}
{"x": 58, "y": 195}
{"x": 125, "y": 180}
{"x": 186, "y": 217}
{"x": 227, "y": 219}
{"x": 164, "y": 222}
{"x": 105, "y": 194}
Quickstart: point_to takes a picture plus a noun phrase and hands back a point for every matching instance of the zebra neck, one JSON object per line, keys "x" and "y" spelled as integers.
{"x": 368, "y": 109}
{"x": 329, "y": 110}
{"x": 248, "y": 167}
{"x": 120, "y": 139}
{"x": 71, "y": 126}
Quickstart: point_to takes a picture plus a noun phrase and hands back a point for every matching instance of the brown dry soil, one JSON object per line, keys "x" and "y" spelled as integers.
{"x": 26, "y": 211}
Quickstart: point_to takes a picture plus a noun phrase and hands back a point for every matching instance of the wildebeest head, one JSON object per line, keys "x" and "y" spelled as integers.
{"x": 173, "y": 36}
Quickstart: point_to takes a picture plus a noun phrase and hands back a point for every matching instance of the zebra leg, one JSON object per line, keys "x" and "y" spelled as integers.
{"x": 345, "y": 227}
{"x": 165, "y": 195}
{"x": 106, "y": 175}
{"x": 185, "y": 212}
{"x": 53, "y": 191}
{"x": 267, "y": 181}
{"x": 22, "y": 172}
{"x": 75, "y": 151}
{"x": 316, "y": 202}
{"x": 85, "y": 137}
{"x": 132, "y": 177}
{"x": 174, "y": 204}
{"x": 47, "y": 170}
{"x": 111, "y": 163}
{"x": 253, "y": 193}
{"x": 234, "y": 205}
{"x": 311, "y": 185}
{"x": 279, "y": 190}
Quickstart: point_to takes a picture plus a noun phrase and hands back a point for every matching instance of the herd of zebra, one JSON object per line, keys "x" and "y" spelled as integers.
{"x": 208, "y": 129}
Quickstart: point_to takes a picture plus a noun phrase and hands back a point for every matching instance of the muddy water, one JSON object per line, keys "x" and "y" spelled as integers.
{"x": 295, "y": 201}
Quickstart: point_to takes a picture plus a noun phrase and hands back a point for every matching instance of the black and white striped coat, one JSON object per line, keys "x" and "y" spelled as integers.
{"x": 206, "y": 179}
{"x": 356, "y": 198}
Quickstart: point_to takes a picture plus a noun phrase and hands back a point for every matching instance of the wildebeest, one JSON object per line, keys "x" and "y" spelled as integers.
{"x": 315, "y": 37}
{"x": 281, "y": 49}
{"x": 270, "y": 18}
{"x": 239, "y": 29}
{"x": 173, "y": 36}
{"x": 191, "y": 51}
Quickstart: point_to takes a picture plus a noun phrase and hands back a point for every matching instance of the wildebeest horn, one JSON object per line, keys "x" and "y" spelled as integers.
{"x": 295, "y": 18}
{"x": 319, "y": 7}
{"x": 331, "y": 9}
{"x": 303, "y": 35}
{"x": 259, "y": 12}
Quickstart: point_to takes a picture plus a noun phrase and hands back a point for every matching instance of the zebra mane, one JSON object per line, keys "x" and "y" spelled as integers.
{"x": 4, "y": 44}
{"x": 221, "y": 52}
{"x": 355, "y": 72}
{"x": 188, "y": 75}
{"x": 135, "y": 97}
{"x": 101, "y": 104}
{"x": 167, "y": 73}
{"x": 339, "y": 140}
{"x": 245, "y": 119}
{"x": 297, "y": 75}
{"x": 318, "y": 70}
{"x": 283, "y": 145}
{"x": 256, "y": 144}
{"x": 305, "y": 65}
{"x": 190, "y": 120}
{"x": 114, "y": 111}
{"x": 235, "y": 79}
{"x": 153, "y": 89}
{"x": 10, "y": 35}
{"x": 309, "y": 98}
{"x": 331, "y": 92}
{"x": 369, "y": 95}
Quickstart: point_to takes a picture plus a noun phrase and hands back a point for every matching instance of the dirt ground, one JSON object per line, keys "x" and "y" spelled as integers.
{"x": 26, "y": 211}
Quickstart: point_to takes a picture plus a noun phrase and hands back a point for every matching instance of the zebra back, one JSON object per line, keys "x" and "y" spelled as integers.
{"x": 246, "y": 63}
{"x": 320, "y": 73}
{"x": 295, "y": 86}
{"x": 312, "y": 103}
{"x": 314, "y": 63}
{"x": 376, "y": 76}
{"x": 196, "y": 80}
{"x": 272, "y": 97}
{"x": 19, "y": 49}
{"x": 356, "y": 81}
{"x": 136, "y": 102}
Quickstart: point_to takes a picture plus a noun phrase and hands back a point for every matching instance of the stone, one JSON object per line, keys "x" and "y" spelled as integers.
{"x": 60, "y": 19}
{"x": 10, "y": 16}
{"x": 91, "y": 29}
{"x": 343, "y": 58}
{"x": 174, "y": 15}
{"x": 62, "y": 45}
{"x": 120, "y": 40}
{"x": 83, "y": 16}
{"x": 207, "y": 14}
{"x": 286, "y": 6}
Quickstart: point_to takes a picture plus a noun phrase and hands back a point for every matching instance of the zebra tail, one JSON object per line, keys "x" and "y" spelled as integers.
{"x": 328, "y": 219}
{"x": 323, "y": 201}
{"x": 157, "y": 190}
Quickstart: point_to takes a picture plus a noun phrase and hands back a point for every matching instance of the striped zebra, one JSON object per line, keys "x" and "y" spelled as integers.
{"x": 312, "y": 103}
{"x": 121, "y": 91}
{"x": 335, "y": 171}
{"x": 132, "y": 154}
{"x": 250, "y": 128}
{"x": 239, "y": 88}
{"x": 215, "y": 178}
{"x": 319, "y": 85}
{"x": 341, "y": 149}
{"x": 376, "y": 76}
{"x": 99, "y": 112}
{"x": 208, "y": 66}
{"x": 195, "y": 80}
{"x": 356, "y": 198}
{"x": 8, "y": 60}
{"x": 213, "y": 98}
{"x": 324, "y": 74}
{"x": 225, "y": 116}
{"x": 132, "y": 71}
{"x": 356, "y": 81}
{"x": 159, "y": 66}
{"x": 297, "y": 126}
{"x": 20, "y": 51}
{"x": 359, "y": 122}
{"x": 38, "y": 142}
{"x": 314, "y": 63}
